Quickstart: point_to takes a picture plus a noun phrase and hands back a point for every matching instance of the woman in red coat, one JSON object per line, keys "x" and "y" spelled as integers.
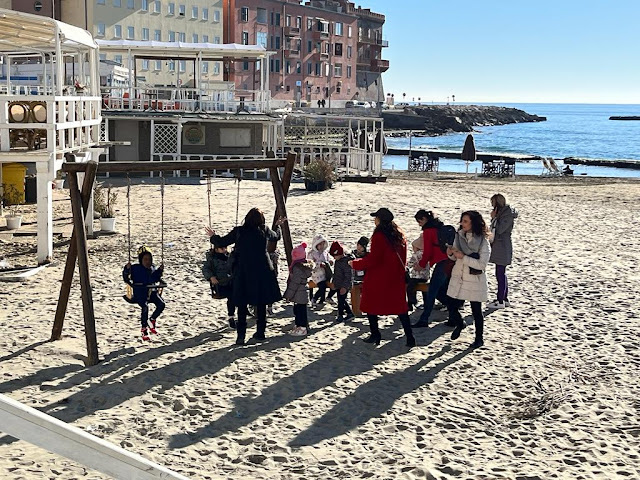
{"x": 384, "y": 290}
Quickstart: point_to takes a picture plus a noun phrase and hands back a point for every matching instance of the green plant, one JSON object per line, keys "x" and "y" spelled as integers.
{"x": 320, "y": 170}
{"x": 104, "y": 202}
{"x": 11, "y": 198}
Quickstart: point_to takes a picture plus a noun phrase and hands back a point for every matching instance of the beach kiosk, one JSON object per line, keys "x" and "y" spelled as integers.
{"x": 57, "y": 114}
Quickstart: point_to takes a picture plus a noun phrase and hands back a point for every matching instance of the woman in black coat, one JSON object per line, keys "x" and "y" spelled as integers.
{"x": 254, "y": 277}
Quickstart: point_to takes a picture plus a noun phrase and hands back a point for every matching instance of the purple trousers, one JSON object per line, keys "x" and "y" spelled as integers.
{"x": 503, "y": 288}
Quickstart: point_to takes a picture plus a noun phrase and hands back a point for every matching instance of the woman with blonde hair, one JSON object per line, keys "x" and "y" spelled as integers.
{"x": 502, "y": 219}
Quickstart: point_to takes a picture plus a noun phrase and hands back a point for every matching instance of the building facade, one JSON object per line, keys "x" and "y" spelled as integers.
{"x": 186, "y": 21}
{"x": 317, "y": 45}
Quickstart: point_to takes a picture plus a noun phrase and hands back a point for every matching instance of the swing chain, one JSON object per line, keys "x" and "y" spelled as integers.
{"x": 129, "y": 215}
{"x": 209, "y": 195}
{"x": 162, "y": 221}
{"x": 238, "y": 180}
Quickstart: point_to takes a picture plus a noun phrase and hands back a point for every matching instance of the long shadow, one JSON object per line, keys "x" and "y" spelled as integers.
{"x": 311, "y": 378}
{"x": 26, "y": 349}
{"x": 372, "y": 399}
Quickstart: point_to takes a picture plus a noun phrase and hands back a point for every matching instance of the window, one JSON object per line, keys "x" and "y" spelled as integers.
{"x": 172, "y": 36}
{"x": 118, "y": 59}
{"x": 158, "y": 65}
{"x": 349, "y": 51}
{"x": 338, "y": 28}
{"x": 275, "y": 65}
{"x": 338, "y": 49}
{"x": 117, "y": 31}
{"x": 337, "y": 70}
{"x": 261, "y": 39}
{"x": 130, "y": 33}
{"x": 277, "y": 19}
{"x": 244, "y": 14}
{"x": 171, "y": 9}
{"x": 101, "y": 29}
{"x": 288, "y": 67}
{"x": 145, "y": 34}
{"x": 157, "y": 35}
{"x": 216, "y": 40}
{"x": 194, "y": 13}
{"x": 216, "y": 68}
{"x": 194, "y": 38}
{"x": 103, "y": 56}
{"x": 172, "y": 65}
{"x": 309, "y": 23}
{"x": 130, "y": 4}
{"x": 182, "y": 10}
{"x": 117, "y": 3}
{"x": 216, "y": 16}
{"x": 299, "y": 22}
{"x": 182, "y": 65}
{"x": 309, "y": 46}
{"x": 145, "y": 64}
{"x": 323, "y": 26}
{"x": 277, "y": 47}
{"x": 101, "y": 2}
{"x": 298, "y": 67}
{"x": 157, "y": 7}
{"x": 145, "y": 5}
{"x": 309, "y": 68}
{"x": 182, "y": 37}
{"x": 262, "y": 15}
{"x": 205, "y": 67}
{"x": 245, "y": 65}
{"x": 205, "y": 13}
{"x": 348, "y": 71}
{"x": 349, "y": 31}
{"x": 205, "y": 38}
{"x": 245, "y": 38}
{"x": 318, "y": 69}
{"x": 287, "y": 21}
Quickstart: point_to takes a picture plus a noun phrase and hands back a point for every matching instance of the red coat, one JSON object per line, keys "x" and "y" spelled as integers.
{"x": 384, "y": 291}
{"x": 431, "y": 252}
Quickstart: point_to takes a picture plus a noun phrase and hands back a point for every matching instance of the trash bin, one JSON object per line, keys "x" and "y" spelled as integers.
{"x": 30, "y": 190}
{"x": 13, "y": 174}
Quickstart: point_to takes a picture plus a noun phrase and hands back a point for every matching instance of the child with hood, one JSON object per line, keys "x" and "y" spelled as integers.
{"x": 140, "y": 276}
{"x": 296, "y": 292}
{"x": 217, "y": 270}
{"x": 342, "y": 279}
{"x": 319, "y": 255}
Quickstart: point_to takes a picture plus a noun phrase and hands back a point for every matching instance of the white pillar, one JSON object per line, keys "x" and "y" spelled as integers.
{"x": 44, "y": 210}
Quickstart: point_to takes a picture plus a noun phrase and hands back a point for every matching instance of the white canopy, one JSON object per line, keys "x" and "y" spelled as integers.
{"x": 162, "y": 49}
{"x": 23, "y": 32}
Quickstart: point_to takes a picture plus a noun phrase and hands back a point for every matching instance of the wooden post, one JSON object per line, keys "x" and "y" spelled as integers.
{"x": 286, "y": 179}
{"x": 83, "y": 267}
{"x": 67, "y": 278}
{"x": 281, "y": 211}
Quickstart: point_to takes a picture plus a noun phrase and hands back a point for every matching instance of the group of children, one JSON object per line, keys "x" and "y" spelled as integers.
{"x": 322, "y": 267}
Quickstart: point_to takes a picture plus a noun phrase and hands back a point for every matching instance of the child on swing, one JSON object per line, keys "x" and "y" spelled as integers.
{"x": 217, "y": 270}
{"x": 140, "y": 276}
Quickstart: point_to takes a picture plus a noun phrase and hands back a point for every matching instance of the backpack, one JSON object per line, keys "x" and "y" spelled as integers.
{"x": 446, "y": 236}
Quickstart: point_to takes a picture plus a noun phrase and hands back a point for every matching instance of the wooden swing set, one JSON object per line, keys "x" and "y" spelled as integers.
{"x": 80, "y": 202}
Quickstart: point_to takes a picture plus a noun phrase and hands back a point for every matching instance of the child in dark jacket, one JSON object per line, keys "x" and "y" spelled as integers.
{"x": 297, "y": 289}
{"x": 360, "y": 252}
{"x": 342, "y": 278}
{"x": 217, "y": 270}
{"x": 140, "y": 276}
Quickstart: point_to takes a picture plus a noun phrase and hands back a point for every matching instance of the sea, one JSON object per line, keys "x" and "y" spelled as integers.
{"x": 571, "y": 130}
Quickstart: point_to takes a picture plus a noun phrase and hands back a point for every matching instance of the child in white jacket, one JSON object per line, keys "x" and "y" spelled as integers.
{"x": 319, "y": 255}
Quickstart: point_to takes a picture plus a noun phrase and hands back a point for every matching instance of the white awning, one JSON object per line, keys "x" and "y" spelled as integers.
{"x": 180, "y": 49}
{"x": 23, "y": 32}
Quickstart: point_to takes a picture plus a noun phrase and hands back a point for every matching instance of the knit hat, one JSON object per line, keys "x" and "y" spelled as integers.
{"x": 336, "y": 249}
{"x": 299, "y": 253}
{"x": 364, "y": 241}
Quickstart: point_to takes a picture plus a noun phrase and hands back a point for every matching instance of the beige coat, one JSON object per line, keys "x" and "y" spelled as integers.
{"x": 465, "y": 286}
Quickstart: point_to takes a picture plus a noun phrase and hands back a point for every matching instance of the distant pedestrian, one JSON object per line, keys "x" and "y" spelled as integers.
{"x": 502, "y": 220}
{"x": 384, "y": 288}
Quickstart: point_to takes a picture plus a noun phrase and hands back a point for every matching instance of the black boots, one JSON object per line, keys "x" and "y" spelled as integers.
{"x": 406, "y": 326}
{"x": 375, "y": 336}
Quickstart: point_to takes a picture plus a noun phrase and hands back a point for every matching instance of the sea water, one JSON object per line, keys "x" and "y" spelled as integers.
{"x": 571, "y": 130}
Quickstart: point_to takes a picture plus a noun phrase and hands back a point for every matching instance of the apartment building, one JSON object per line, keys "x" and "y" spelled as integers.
{"x": 186, "y": 21}
{"x": 317, "y": 46}
{"x": 370, "y": 65}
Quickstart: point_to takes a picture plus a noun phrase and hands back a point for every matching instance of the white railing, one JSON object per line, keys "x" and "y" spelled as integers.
{"x": 173, "y": 157}
{"x": 348, "y": 160}
{"x": 52, "y": 123}
{"x": 226, "y": 99}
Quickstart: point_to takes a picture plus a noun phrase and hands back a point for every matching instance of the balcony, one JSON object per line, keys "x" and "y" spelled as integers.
{"x": 373, "y": 41}
{"x": 291, "y": 31}
{"x": 316, "y": 35}
{"x": 379, "y": 65}
{"x": 291, "y": 53}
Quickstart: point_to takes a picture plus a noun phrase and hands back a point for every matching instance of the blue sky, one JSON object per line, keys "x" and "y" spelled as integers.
{"x": 561, "y": 51}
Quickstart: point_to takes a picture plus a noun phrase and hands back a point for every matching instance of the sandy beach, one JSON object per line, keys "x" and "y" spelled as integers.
{"x": 553, "y": 394}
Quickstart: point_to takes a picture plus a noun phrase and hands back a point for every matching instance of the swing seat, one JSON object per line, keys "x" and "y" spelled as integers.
{"x": 312, "y": 284}
{"x": 128, "y": 296}
{"x": 215, "y": 295}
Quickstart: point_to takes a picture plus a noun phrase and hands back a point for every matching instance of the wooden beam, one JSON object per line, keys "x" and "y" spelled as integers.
{"x": 281, "y": 211}
{"x": 53, "y": 435}
{"x": 70, "y": 266}
{"x": 166, "y": 166}
{"x": 286, "y": 179}
{"x": 83, "y": 267}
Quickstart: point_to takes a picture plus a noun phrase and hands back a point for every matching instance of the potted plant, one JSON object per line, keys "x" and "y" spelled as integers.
{"x": 58, "y": 182}
{"x": 319, "y": 175}
{"x": 104, "y": 203}
{"x": 12, "y": 199}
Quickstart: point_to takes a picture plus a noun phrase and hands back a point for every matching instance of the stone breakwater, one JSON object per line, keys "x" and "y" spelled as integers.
{"x": 441, "y": 119}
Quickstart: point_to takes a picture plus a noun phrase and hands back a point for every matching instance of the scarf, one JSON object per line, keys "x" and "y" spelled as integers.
{"x": 469, "y": 245}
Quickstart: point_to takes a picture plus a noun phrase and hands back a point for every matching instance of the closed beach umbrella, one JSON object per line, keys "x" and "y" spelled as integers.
{"x": 469, "y": 151}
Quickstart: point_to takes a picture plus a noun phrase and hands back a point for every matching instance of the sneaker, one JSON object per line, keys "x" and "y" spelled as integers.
{"x": 232, "y": 321}
{"x": 496, "y": 305}
{"x": 299, "y": 332}
{"x": 251, "y": 310}
{"x": 339, "y": 319}
{"x": 145, "y": 335}
{"x": 420, "y": 306}
{"x": 331, "y": 301}
{"x": 313, "y": 304}
{"x": 153, "y": 327}
{"x": 507, "y": 303}
{"x": 349, "y": 317}
{"x": 438, "y": 306}
{"x": 270, "y": 310}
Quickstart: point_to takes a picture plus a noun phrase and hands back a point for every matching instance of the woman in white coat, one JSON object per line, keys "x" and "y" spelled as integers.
{"x": 471, "y": 252}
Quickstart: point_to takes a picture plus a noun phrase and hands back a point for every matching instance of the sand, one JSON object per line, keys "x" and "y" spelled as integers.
{"x": 553, "y": 394}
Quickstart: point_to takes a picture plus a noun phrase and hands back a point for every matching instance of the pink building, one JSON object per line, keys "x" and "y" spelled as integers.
{"x": 316, "y": 49}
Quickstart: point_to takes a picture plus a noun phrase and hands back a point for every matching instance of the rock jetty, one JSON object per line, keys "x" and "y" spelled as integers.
{"x": 441, "y": 119}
